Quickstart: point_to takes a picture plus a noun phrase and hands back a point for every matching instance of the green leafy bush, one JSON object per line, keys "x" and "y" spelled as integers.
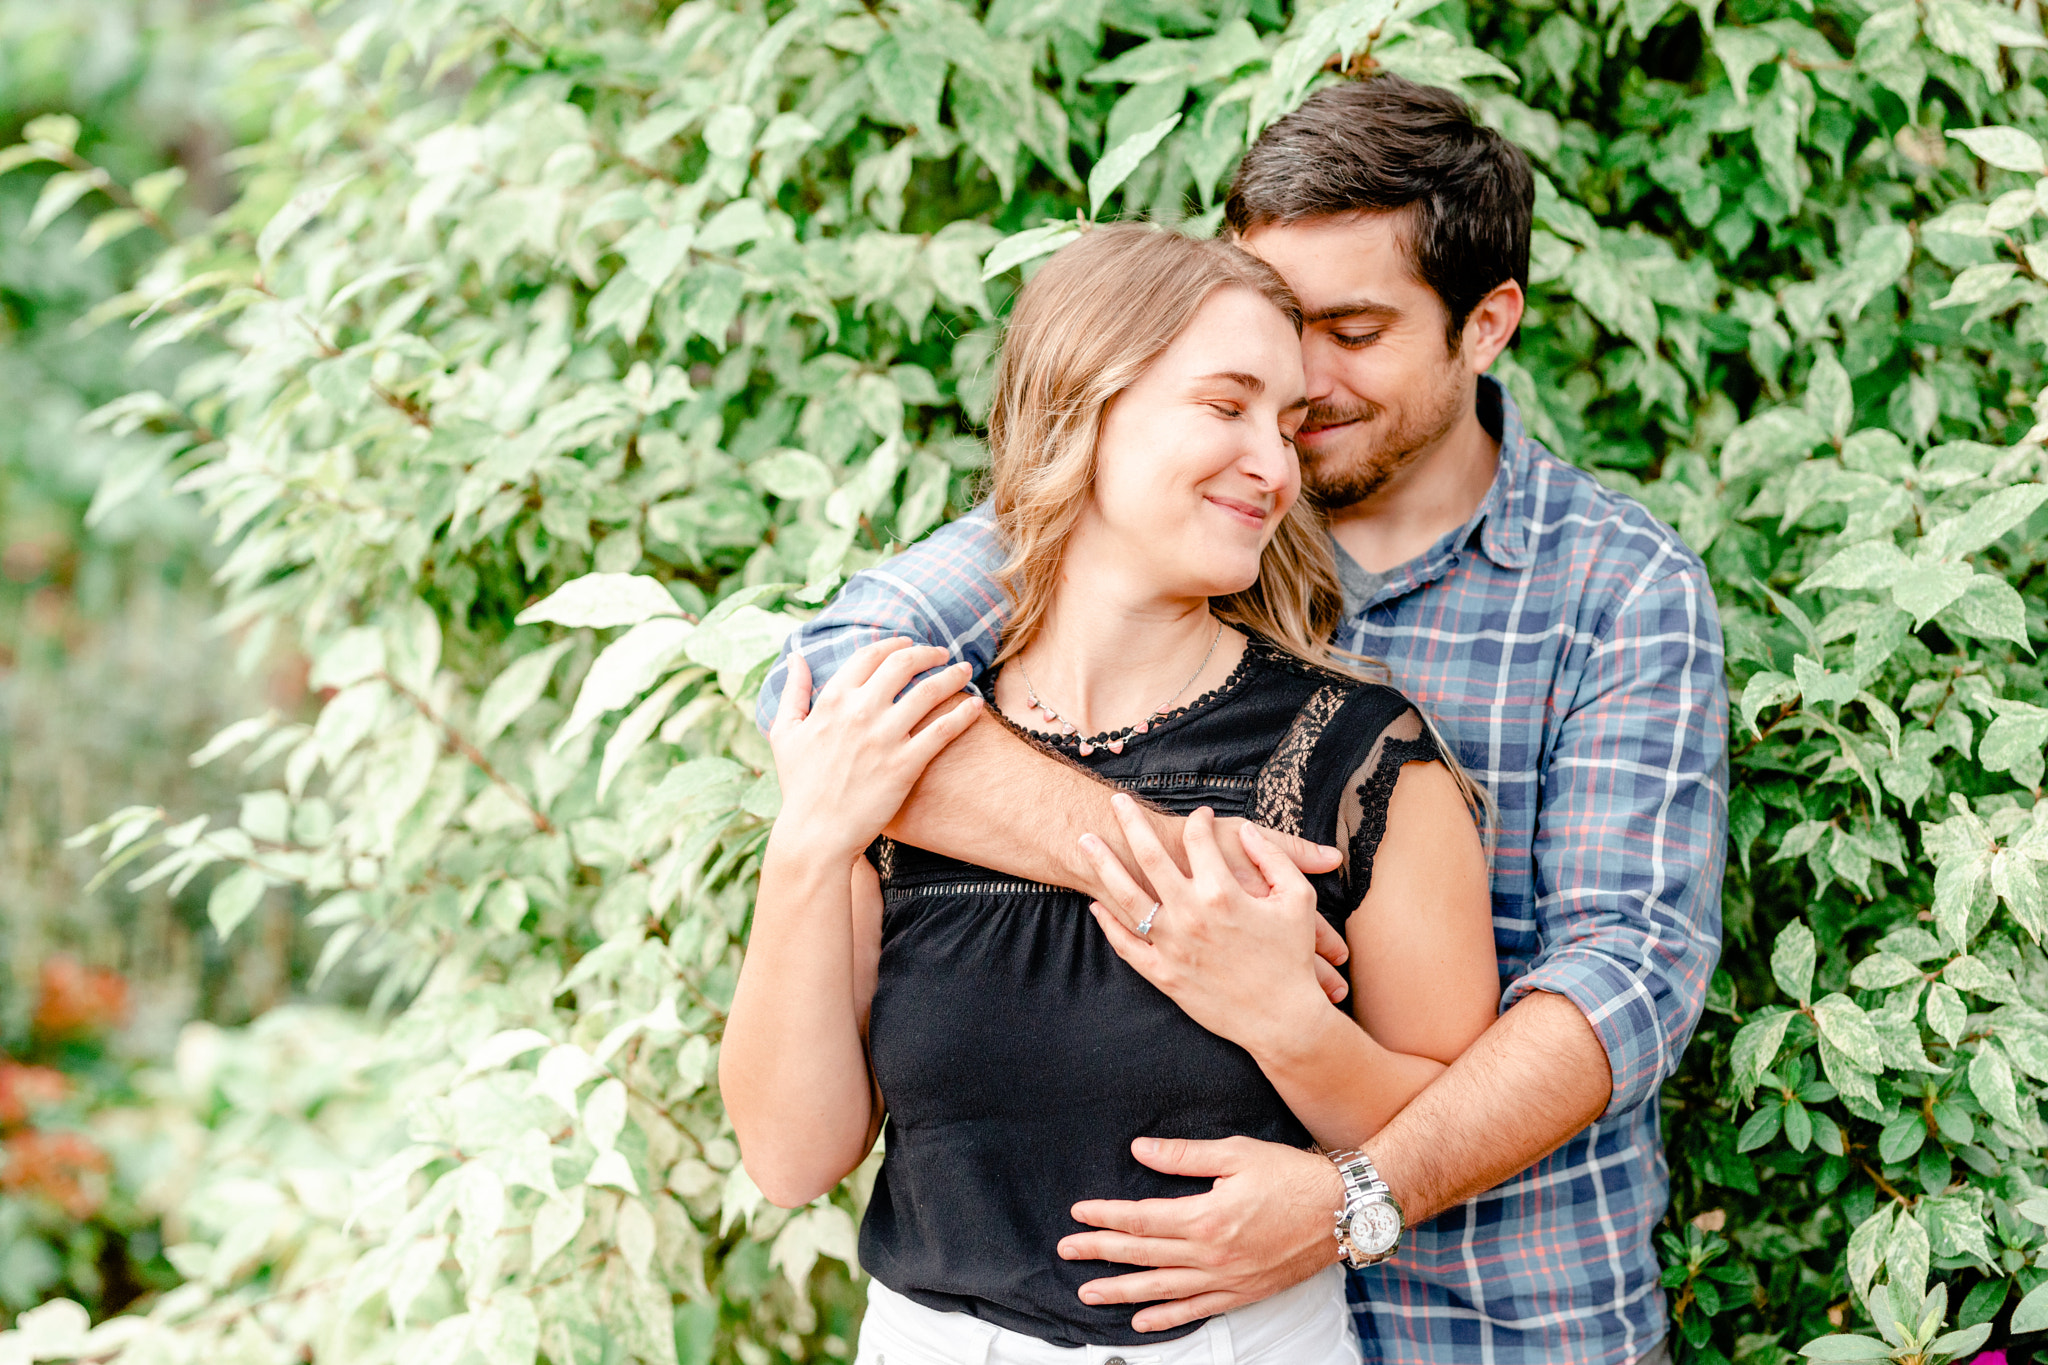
{"x": 108, "y": 677}
{"x": 570, "y": 351}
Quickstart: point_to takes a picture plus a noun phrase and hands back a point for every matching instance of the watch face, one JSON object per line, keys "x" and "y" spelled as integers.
{"x": 1375, "y": 1229}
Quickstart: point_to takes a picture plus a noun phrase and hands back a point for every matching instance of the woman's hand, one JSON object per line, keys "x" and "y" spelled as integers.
{"x": 1240, "y": 965}
{"x": 847, "y": 763}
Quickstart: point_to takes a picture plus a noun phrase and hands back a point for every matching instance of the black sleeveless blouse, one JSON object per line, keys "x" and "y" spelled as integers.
{"x": 1018, "y": 1056}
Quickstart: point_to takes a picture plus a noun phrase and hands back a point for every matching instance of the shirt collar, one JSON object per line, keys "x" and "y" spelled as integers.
{"x": 1500, "y": 528}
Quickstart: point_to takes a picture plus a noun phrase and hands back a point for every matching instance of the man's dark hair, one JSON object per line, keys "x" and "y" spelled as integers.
{"x": 1387, "y": 144}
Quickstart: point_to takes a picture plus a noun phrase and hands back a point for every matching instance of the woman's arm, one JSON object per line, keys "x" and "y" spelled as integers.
{"x": 794, "y": 1067}
{"x": 1425, "y": 974}
{"x": 1422, "y": 960}
{"x": 1424, "y": 980}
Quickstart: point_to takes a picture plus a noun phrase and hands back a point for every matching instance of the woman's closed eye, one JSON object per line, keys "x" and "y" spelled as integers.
{"x": 1226, "y": 408}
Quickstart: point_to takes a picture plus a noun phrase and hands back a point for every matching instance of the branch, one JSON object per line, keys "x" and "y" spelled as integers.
{"x": 1877, "y": 1177}
{"x": 414, "y": 413}
{"x": 642, "y": 167}
{"x": 104, "y": 182}
{"x": 459, "y": 744}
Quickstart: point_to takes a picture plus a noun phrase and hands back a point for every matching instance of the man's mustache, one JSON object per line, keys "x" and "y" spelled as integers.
{"x": 1319, "y": 416}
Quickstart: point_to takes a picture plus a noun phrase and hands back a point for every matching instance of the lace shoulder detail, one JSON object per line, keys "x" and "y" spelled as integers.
{"x": 1279, "y": 791}
{"x": 1372, "y": 793}
{"x": 1312, "y": 784}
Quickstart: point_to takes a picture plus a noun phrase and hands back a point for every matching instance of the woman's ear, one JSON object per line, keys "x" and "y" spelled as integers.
{"x": 1491, "y": 326}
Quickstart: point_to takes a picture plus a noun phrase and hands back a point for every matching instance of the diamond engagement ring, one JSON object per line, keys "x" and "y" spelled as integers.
{"x": 1145, "y": 924}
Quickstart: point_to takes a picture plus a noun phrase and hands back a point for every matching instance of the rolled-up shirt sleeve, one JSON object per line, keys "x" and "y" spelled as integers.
{"x": 942, "y": 591}
{"x": 1631, "y": 839}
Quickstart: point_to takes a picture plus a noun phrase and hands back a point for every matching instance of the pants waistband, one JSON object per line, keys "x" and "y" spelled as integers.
{"x": 1305, "y": 1325}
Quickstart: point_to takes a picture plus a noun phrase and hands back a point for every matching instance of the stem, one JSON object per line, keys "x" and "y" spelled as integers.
{"x": 658, "y": 1107}
{"x": 104, "y": 182}
{"x": 1878, "y": 1179}
{"x": 461, "y": 745}
{"x": 523, "y": 39}
{"x": 414, "y": 413}
{"x": 2019, "y": 255}
{"x": 641, "y": 167}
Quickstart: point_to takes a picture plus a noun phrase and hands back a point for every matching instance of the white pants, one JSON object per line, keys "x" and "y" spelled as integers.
{"x": 1306, "y": 1325}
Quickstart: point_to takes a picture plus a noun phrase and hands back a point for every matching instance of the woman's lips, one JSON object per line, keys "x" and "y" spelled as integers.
{"x": 1250, "y": 514}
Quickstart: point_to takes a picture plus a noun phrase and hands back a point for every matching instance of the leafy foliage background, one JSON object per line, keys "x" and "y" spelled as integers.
{"x": 547, "y": 361}
{"x": 108, "y": 676}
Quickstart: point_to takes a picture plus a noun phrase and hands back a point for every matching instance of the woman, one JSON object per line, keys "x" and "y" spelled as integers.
{"x": 1170, "y": 600}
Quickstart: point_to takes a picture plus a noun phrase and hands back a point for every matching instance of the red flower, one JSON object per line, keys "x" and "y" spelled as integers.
{"x": 26, "y": 1088}
{"x": 76, "y": 999}
{"x": 65, "y": 1168}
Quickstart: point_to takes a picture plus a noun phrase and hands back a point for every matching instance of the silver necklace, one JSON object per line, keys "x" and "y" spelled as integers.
{"x": 1115, "y": 742}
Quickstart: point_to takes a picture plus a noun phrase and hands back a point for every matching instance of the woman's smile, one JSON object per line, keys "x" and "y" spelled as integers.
{"x": 1248, "y": 514}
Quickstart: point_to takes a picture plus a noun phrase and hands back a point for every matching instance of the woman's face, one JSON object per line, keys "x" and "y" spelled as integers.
{"x": 1195, "y": 464}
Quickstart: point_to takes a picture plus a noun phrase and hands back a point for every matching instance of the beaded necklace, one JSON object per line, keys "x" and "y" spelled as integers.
{"x": 1115, "y": 742}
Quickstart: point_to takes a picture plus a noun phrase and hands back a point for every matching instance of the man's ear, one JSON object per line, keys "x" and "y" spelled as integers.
{"x": 1491, "y": 326}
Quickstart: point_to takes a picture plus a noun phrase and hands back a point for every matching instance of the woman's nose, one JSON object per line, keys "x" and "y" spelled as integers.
{"x": 1272, "y": 460}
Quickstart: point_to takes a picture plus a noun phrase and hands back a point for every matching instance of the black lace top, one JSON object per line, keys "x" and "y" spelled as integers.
{"x": 1018, "y": 1056}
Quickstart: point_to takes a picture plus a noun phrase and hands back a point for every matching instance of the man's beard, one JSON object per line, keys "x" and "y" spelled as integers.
{"x": 1385, "y": 442}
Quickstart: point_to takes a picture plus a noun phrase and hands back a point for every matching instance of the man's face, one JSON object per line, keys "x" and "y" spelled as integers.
{"x": 1384, "y": 387}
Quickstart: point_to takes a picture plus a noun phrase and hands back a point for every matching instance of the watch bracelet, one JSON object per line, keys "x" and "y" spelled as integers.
{"x": 1358, "y": 1174}
{"x": 1361, "y": 1181}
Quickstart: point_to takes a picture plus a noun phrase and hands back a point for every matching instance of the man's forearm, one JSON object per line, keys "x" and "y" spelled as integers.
{"x": 1531, "y": 1081}
{"x": 994, "y": 799}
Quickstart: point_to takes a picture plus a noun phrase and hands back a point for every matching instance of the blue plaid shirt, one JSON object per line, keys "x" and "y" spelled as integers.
{"x": 1565, "y": 642}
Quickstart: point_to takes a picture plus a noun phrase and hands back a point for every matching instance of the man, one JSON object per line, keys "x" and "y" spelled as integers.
{"x": 1566, "y": 644}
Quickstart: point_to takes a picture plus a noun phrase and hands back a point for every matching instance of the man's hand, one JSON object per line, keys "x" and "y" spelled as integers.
{"x": 1307, "y": 857}
{"x": 1231, "y": 959}
{"x": 1331, "y": 950}
{"x": 846, "y": 758}
{"x": 1268, "y": 1224}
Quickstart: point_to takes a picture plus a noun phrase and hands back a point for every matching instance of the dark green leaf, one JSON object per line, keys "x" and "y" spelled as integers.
{"x": 1761, "y": 1128}
{"x": 1901, "y": 1138}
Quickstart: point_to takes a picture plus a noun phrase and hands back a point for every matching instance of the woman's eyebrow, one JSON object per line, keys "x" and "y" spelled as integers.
{"x": 1250, "y": 382}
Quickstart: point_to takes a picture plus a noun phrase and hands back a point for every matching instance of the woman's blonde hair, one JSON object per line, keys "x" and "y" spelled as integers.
{"x": 1088, "y": 324}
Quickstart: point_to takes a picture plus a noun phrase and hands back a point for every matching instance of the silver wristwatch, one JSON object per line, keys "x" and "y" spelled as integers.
{"x": 1370, "y": 1223}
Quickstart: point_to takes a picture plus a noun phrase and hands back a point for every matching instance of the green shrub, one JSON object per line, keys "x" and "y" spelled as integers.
{"x": 108, "y": 678}
{"x": 571, "y": 349}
